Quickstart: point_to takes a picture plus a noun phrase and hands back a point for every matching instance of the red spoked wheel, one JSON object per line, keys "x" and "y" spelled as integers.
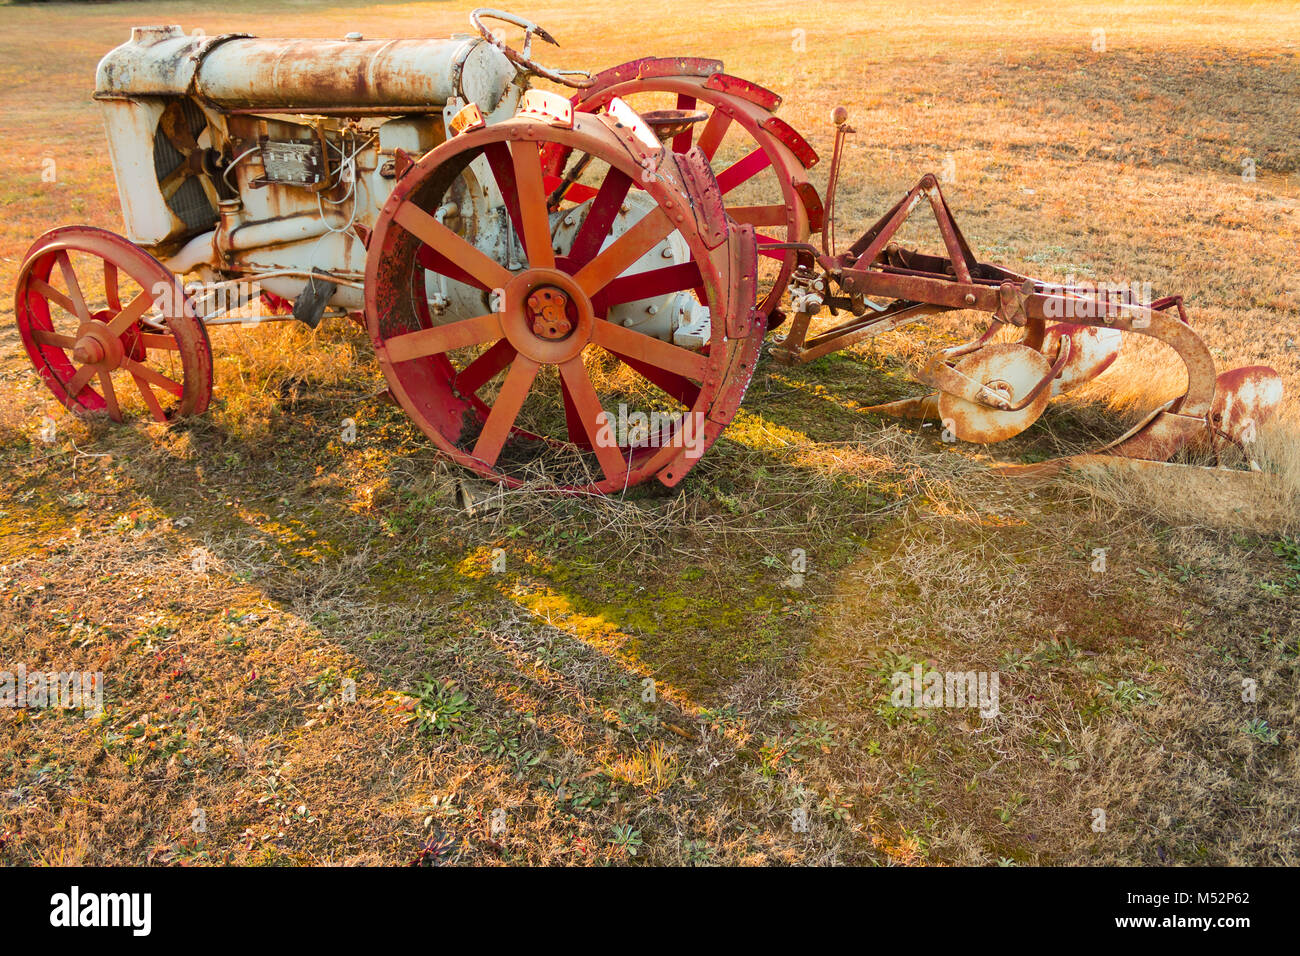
{"x": 527, "y": 379}
{"x": 107, "y": 327}
{"x": 760, "y": 162}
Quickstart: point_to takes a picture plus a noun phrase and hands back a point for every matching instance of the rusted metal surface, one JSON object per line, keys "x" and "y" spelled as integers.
{"x": 655, "y": 67}
{"x": 812, "y": 205}
{"x": 1244, "y": 399}
{"x": 1092, "y": 350}
{"x": 745, "y": 89}
{"x": 786, "y": 133}
{"x": 707, "y": 202}
{"x": 236, "y": 71}
{"x": 371, "y": 73}
{"x": 1003, "y": 393}
{"x": 155, "y": 61}
{"x": 744, "y": 343}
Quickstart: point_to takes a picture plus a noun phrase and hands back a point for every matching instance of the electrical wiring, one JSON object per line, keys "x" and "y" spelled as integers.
{"x": 236, "y": 161}
{"x": 348, "y": 162}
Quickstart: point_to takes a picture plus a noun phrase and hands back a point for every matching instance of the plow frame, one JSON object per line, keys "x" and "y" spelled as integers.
{"x": 922, "y": 285}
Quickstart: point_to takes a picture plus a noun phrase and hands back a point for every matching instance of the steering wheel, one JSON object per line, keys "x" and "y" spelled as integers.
{"x": 577, "y": 79}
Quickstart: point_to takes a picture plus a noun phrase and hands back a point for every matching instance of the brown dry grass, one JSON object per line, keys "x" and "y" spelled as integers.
{"x": 1120, "y": 690}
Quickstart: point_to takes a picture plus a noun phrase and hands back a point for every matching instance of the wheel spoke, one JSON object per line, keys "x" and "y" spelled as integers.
{"x": 132, "y": 313}
{"x": 743, "y": 169}
{"x": 442, "y": 338}
{"x": 46, "y": 337}
{"x": 51, "y": 294}
{"x": 442, "y": 240}
{"x": 502, "y": 163}
{"x": 78, "y": 301}
{"x": 153, "y": 377}
{"x": 774, "y": 215}
{"x": 496, "y": 429}
{"x": 714, "y": 130}
{"x": 80, "y": 379}
{"x": 112, "y": 292}
{"x": 682, "y": 141}
{"x": 573, "y": 421}
{"x": 484, "y": 368}
{"x": 600, "y": 217}
{"x": 110, "y": 396}
{"x": 150, "y": 399}
{"x": 626, "y": 343}
{"x": 152, "y": 341}
{"x": 624, "y": 251}
{"x": 578, "y": 192}
{"x": 532, "y": 204}
{"x": 586, "y": 404}
{"x": 643, "y": 285}
{"x": 434, "y": 261}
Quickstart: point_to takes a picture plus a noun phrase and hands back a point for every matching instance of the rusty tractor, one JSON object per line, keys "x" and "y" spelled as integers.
{"x": 527, "y": 262}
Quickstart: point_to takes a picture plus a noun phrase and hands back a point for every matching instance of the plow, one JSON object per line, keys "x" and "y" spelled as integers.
{"x": 530, "y": 264}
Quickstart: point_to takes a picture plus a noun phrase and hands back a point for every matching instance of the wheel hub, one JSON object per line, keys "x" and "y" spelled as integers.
{"x": 547, "y": 310}
{"x": 96, "y": 345}
{"x": 546, "y": 316}
{"x": 88, "y": 351}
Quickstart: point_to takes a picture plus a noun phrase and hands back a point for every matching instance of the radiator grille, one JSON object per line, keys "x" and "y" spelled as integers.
{"x": 190, "y": 202}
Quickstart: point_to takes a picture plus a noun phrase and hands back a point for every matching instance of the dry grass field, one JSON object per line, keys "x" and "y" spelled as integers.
{"x": 504, "y": 717}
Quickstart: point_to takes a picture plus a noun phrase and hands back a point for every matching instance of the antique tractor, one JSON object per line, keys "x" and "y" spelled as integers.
{"x": 529, "y": 265}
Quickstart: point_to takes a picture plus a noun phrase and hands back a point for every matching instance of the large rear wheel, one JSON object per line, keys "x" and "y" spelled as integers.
{"x": 556, "y": 360}
{"x": 760, "y": 162}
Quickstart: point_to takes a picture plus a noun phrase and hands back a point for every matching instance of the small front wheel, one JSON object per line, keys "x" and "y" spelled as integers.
{"x": 107, "y": 327}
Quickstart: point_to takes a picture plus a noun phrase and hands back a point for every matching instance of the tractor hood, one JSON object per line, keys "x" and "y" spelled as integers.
{"x": 236, "y": 71}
